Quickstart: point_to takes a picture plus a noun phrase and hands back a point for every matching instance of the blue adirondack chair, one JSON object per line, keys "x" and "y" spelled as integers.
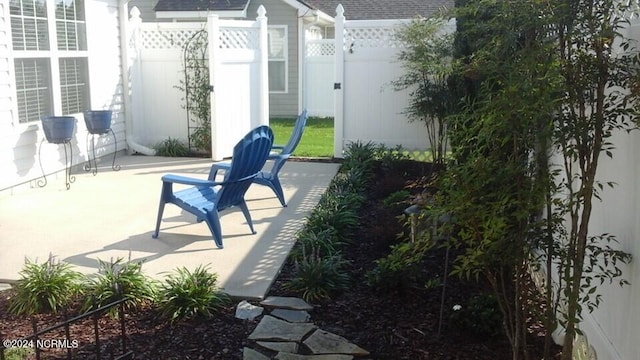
{"x": 280, "y": 154}
{"x": 206, "y": 198}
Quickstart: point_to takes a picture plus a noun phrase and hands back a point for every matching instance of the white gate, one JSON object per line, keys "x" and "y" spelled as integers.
{"x": 318, "y": 76}
{"x": 238, "y": 76}
{"x": 367, "y": 106}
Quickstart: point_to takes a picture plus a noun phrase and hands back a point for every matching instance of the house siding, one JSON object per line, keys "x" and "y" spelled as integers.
{"x": 21, "y": 146}
{"x": 279, "y": 13}
{"x": 6, "y": 91}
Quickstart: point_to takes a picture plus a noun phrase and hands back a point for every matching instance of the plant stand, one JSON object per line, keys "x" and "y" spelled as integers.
{"x": 58, "y": 130}
{"x": 92, "y": 154}
{"x": 99, "y": 123}
{"x": 67, "y": 171}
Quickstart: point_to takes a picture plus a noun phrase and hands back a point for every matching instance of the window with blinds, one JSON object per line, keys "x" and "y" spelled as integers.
{"x": 74, "y": 85}
{"x": 32, "y": 23}
{"x": 33, "y": 88}
{"x": 277, "y": 46}
{"x": 29, "y": 27}
{"x": 70, "y": 25}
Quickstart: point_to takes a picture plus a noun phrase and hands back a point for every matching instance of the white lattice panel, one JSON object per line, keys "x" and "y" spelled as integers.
{"x": 237, "y": 38}
{"x": 165, "y": 38}
{"x": 323, "y": 48}
{"x": 374, "y": 37}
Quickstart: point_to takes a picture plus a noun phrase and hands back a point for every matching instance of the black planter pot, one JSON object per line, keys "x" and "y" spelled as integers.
{"x": 58, "y": 129}
{"x": 98, "y": 121}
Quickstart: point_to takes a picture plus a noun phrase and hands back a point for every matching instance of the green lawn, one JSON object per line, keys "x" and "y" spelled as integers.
{"x": 317, "y": 139}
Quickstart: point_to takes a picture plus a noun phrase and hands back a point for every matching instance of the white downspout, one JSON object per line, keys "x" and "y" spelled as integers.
{"x": 123, "y": 15}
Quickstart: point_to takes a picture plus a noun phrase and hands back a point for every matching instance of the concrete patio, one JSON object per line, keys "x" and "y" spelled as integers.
{"x": 112, "y": 215}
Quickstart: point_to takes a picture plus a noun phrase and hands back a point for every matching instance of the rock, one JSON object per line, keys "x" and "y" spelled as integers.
{"x": 246, "y": 311}
{"x": 281, "y": 302}
{"x": 289, "y": 356}
{"x": 297, "y": 316}
{"x": 323, "y": 342}
{"x": 274, "y": 329}
{"x": 250, "y": 354}
{"x": 289, "y": 347}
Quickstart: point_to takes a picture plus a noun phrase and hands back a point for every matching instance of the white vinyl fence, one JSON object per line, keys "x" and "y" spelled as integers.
{"x": 238, "y": 76}
{"x": 350, "y": 77}
{"x": 319, "y": 65}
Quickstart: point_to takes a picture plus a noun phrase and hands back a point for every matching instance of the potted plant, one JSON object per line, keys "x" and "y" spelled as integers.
{"x": 58, "y": 129}
{"x": 98, "y": 121}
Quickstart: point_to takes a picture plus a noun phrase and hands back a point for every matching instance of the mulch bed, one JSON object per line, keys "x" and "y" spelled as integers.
{"x": 400, "y": 324}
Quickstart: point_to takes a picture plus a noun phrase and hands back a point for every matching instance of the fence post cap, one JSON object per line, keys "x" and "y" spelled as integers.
{"x": 261, "y": 11}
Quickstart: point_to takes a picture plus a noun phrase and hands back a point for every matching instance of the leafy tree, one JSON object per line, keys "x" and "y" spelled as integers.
{"x": 427, "y": 64}
{"x": 494, "y": 188}
{"x": 538, "y": 77}
{"x": 598, "y": 69}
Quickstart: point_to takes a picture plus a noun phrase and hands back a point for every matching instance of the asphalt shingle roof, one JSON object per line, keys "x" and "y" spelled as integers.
{"x": 381, "y": 9}
{"x": 200, "y": 5}
{"x": 354, "y": 9}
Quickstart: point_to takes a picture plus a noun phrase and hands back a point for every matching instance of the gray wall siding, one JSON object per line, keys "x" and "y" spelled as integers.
{"x": 279, "y": 13}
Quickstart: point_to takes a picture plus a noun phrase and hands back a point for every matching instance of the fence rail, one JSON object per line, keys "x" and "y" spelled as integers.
{"x": 35, "y": 341}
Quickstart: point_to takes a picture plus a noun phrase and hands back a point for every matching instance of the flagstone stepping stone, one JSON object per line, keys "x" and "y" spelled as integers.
{"x": 288, "y": 356}
{"x": 282, "y": 302}
{"x": 296, "y": 316}
{"x": 250, "y": 354}
{"x": 246, "y": 311}
{"x": 280, "y": 346}
{"x": 271, "y": 328}
{"x": 324, "y": 342}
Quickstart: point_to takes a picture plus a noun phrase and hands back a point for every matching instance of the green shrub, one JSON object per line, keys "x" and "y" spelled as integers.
{"x": 117, "y": 280}
{"x": 44, "y": 287}
{"x": 317, "y": 277}
{"x": 399, "y": 269}
{"x": 359, "y": 155}
{"x": 340, "y": 217}
{"x": 481, "y": 315}
{"x": 326, "y": 241}
{"x": 396, "y": 200}
{"x": 187, "y": 295}
{"x": 391, "y": 158}
{"x": 172, "y": 148}
{"x": 348, "y": 188}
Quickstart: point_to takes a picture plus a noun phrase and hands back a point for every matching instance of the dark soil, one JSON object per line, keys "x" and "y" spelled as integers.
{"x": 399, "y": 324}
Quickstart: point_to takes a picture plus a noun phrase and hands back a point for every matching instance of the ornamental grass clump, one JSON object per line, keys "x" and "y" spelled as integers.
{"x": 337, "y": 216}
{"x": 171, "y": 147}
{"x": 118, "y": 280}
{"x": 319, "y": 268}
{"x": 189, "y": 294}
{"x": 318, "y": 277}
{"x": 45, "y": 287}
{"x": 326, "y": 241}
